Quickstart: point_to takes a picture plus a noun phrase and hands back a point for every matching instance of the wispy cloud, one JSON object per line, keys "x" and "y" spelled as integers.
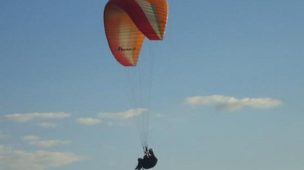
{"x": 26, "y": 117}
{"x": 43, "y": 143}
{"x": 13, "y": 159}
{"x": 47, "y": 125}
{"x": 232, "y": 103}
{"x": 89, "y": 121}
{"x": 108, "y": 117}
{"x": 129, "y": 114}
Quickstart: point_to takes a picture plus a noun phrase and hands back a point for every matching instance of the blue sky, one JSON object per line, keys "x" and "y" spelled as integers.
{"x": 226, "y": 88}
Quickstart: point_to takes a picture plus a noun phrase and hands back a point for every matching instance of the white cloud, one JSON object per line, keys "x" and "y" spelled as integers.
{"x": 13, "y": 159}
{"x": 37, "y": 141}
{"x": 231, "y": 103}
{"x": 129, "y": 114}
{"x": 89, "y": 121}
{"x": 47, "y": 125}
{"x": 26, "y": 117}
{"x": 108, "y": 117}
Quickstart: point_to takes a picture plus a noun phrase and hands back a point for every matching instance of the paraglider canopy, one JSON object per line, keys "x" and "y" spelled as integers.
{"x": 127, "y": 22}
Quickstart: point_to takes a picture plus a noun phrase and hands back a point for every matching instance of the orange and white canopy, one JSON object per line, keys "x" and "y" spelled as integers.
{"x": 128, "y": 22}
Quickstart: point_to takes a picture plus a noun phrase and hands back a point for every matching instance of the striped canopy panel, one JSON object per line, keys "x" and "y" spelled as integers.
{"x": 128, "y": 22}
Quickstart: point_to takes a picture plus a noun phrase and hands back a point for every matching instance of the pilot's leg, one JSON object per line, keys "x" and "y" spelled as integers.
{"x": 139, "y": 165}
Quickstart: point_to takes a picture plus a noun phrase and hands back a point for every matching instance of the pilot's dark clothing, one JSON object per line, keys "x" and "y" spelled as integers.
{"x": 149, "y": 161}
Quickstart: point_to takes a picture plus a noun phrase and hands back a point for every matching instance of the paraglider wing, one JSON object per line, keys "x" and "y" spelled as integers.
{"x": 155, "y": 18}
{"x": 124, "y": 38}
{"x": 127, "y": 22}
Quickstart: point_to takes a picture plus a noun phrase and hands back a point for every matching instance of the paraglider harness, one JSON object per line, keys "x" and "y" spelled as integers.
{"x": 148, "y": 161}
